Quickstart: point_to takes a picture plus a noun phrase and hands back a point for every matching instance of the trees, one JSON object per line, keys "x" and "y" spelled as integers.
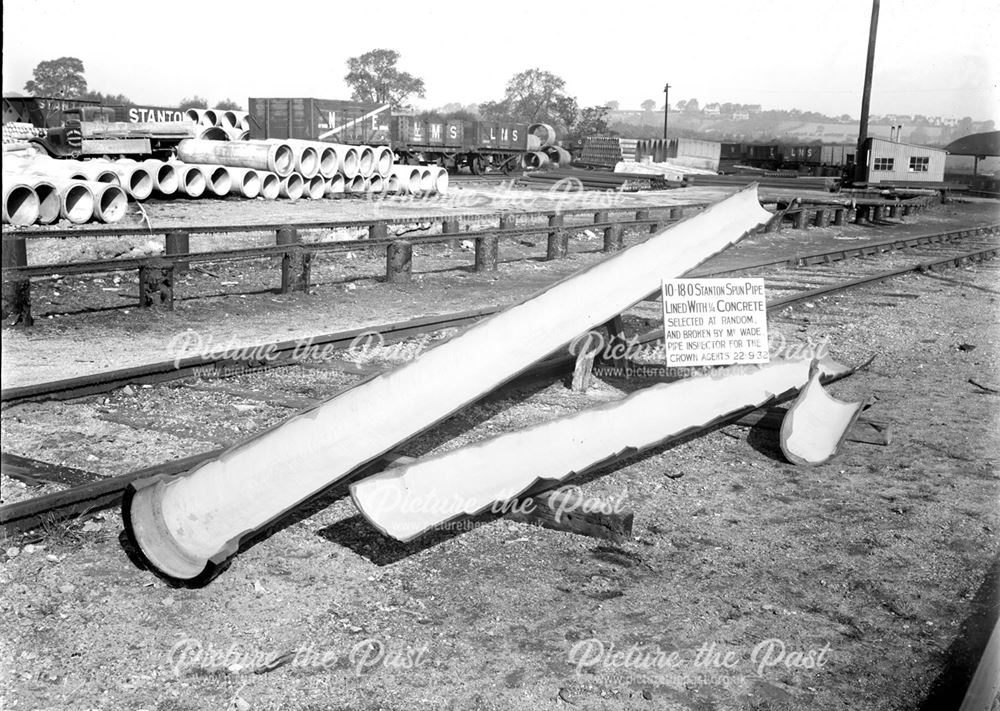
{"x": 692, "y": 106}
{"x": 228, "y": 104}
{"x": 374, "y": 78}
{"x": 593, "y": 121}
{"x": 648, "y": 105}
{"x": 59, "y": 78}
{"x": 534, "y": 96}
{"x": 681, "y": 104}
{"x": 193, "y": 102}
{"x": 612, "y": 105}
{"x": 107, "y": 99}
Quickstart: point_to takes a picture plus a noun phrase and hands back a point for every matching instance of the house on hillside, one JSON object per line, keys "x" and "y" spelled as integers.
{"x": 712, "y": 110}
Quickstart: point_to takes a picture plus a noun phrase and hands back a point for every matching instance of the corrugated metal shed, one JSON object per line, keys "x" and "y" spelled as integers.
{"x": 891, "y": 161}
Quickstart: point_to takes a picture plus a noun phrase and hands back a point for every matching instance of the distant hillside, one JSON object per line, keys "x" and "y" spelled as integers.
{"x": 785, "y": 126}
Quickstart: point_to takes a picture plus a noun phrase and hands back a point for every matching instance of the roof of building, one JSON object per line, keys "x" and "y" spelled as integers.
{"x": 910, "y": 145}
{"x": 977, "y": 144}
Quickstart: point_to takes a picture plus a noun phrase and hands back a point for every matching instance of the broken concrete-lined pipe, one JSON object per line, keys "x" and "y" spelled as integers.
{"x": 816, "y": 424}
{"x": 187, "y": 527}
{"x": 20, "y": 203}
{"x": 277, "y": 158}
{"x": 246, "y": 182}
{"x": 409, "y": 177}
{"x": 508, "y": 465}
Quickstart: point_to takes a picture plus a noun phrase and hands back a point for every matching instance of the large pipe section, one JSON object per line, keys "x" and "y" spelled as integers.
{"x": 366, "y": 161}
{"x": 335, "y": 185}
{"x": 20, "y": 202}
{"x": 408, "y": 177}
{"x": 217, "y": 179}
{"x": 314, "y": 187}
{"x": 383, "y": 161}
{"x": 270, "y": 185}
{"x": 49, "y": 201}
{"x": 190, "y": 180}
{"x": 187, "y": 527}
{"x": 164, "y": 176}
{"x": 110, "y": 201}
{"x": 347, "y": 160}
{"x": 291, "y": 187}
{"x": 246, "y": 182}
{"x": 76, "y": 202}
{"x": 278, "y": 158}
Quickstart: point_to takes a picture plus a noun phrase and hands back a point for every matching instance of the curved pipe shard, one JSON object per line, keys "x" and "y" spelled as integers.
{"x": 816, "y": 424}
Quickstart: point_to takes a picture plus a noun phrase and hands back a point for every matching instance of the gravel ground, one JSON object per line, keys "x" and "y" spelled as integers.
{"x": 862, "y": 583}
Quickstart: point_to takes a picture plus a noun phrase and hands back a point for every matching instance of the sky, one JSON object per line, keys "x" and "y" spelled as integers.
{"x": 932, "y": 58}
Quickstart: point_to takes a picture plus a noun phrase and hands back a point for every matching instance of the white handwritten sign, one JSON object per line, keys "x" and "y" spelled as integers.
{"x": 714, "y": 322}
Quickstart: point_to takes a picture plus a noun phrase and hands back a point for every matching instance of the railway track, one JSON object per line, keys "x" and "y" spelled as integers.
{"x": 222, "y": 382}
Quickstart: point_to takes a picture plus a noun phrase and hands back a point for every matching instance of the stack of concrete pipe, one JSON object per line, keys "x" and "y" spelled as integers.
{"x": 417, "y": 180}
{"x": 43, "y": 190}
{"x": 235, "y": 125}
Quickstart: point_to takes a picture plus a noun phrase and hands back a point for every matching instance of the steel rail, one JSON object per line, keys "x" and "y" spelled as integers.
{"x": 88, "y": 497}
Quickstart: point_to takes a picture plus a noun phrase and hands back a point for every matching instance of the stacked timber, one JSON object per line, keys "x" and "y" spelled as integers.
{"x": 574, "y": 179}
{"x": 603, "y": 150}
{"x": 827, "y": 183}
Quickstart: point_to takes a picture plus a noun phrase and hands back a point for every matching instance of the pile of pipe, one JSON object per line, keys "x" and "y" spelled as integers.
{"x": 235, "y": 125}
{"x": 542, "y": 151}
{"x": 43, "y": 190}
{"x": 573, "y": 179}
{"x": 17, "y": 132}
{"x": 315, "y": 169}
{"x": 666, "y": 169}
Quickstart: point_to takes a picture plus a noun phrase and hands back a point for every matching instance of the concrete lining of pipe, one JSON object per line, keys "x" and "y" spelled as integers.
{"x": 426, "y": 179}
{"x": 392, "y": 184}
{"x": 194, "y": 115}
{"x": 376, "y": 184}
{"x": 306, "y": 161}
{"x": 328, "y": 162}
{"x": 246, "y": 182}
{"x": 349, "y": 161}
{"x": 228, "y": 119}
{"x": 366, "y": 161}
{"x": 314, "y": 187}
{"x": 441, "y": 181}
{"x": 110, "y": 204}
{"x": 48, "y": 202}
{"x": 209, "y": 118}
{"x": 270, "y": 185}
{"x": 137, "y": 181}
{"x": 292, "y": 187}
{"x": 76, "y": 202}
{"x": 383, "y": 161}
{"x": 164, "y": 176}
{"x": 212, "y": 133}
{"x": 191, "y": 180}
{"x": 335, "y": 185}
{"x": 409, "y": 178}
{"x": 354, "y": 185}
{"x": 217, "y": 179}
{"x": 20, "y": 204}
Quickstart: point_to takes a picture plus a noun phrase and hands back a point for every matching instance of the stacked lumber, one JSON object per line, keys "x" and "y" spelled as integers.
{"x": 802, "y": 182}
{"x": 603, "y": 151}
{"x": 576, "y": 179}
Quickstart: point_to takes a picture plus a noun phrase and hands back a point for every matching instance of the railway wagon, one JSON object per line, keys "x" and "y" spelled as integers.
{"x": 330, "y": 120}
{"x": 453, "y": 144}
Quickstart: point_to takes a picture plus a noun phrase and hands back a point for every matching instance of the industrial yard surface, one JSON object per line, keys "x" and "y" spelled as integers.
{"x": 747, "y": 584}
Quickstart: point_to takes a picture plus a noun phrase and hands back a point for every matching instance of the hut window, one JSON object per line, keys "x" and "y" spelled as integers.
{"x": 919, "y": 164}
{"x": 884, "y": 163}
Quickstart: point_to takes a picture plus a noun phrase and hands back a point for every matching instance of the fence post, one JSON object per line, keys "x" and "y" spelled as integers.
{"x": 487, "y": 253}
{"x": 398, "y": 262}
{"x": 178, "y": 243}
{"x": 450, "y": 227}
{"x": 613, "y": 238}
{"x": 17, "y": 290}
{"x": 296, "y": 263}
{"x": 822, "y": 217}
{"x": 156, "y": 285}
{"x": 838, "y": 216}
{"x": 558, "y": 244}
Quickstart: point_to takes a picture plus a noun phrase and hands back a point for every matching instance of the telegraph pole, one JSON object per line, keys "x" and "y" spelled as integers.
{"x": 860, "y": 159}
{"x": 666, "y": 110}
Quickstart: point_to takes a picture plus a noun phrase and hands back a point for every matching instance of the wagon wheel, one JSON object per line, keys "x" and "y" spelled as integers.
{"x": 511, "y": 164}
{"x": 477, "y": 164}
